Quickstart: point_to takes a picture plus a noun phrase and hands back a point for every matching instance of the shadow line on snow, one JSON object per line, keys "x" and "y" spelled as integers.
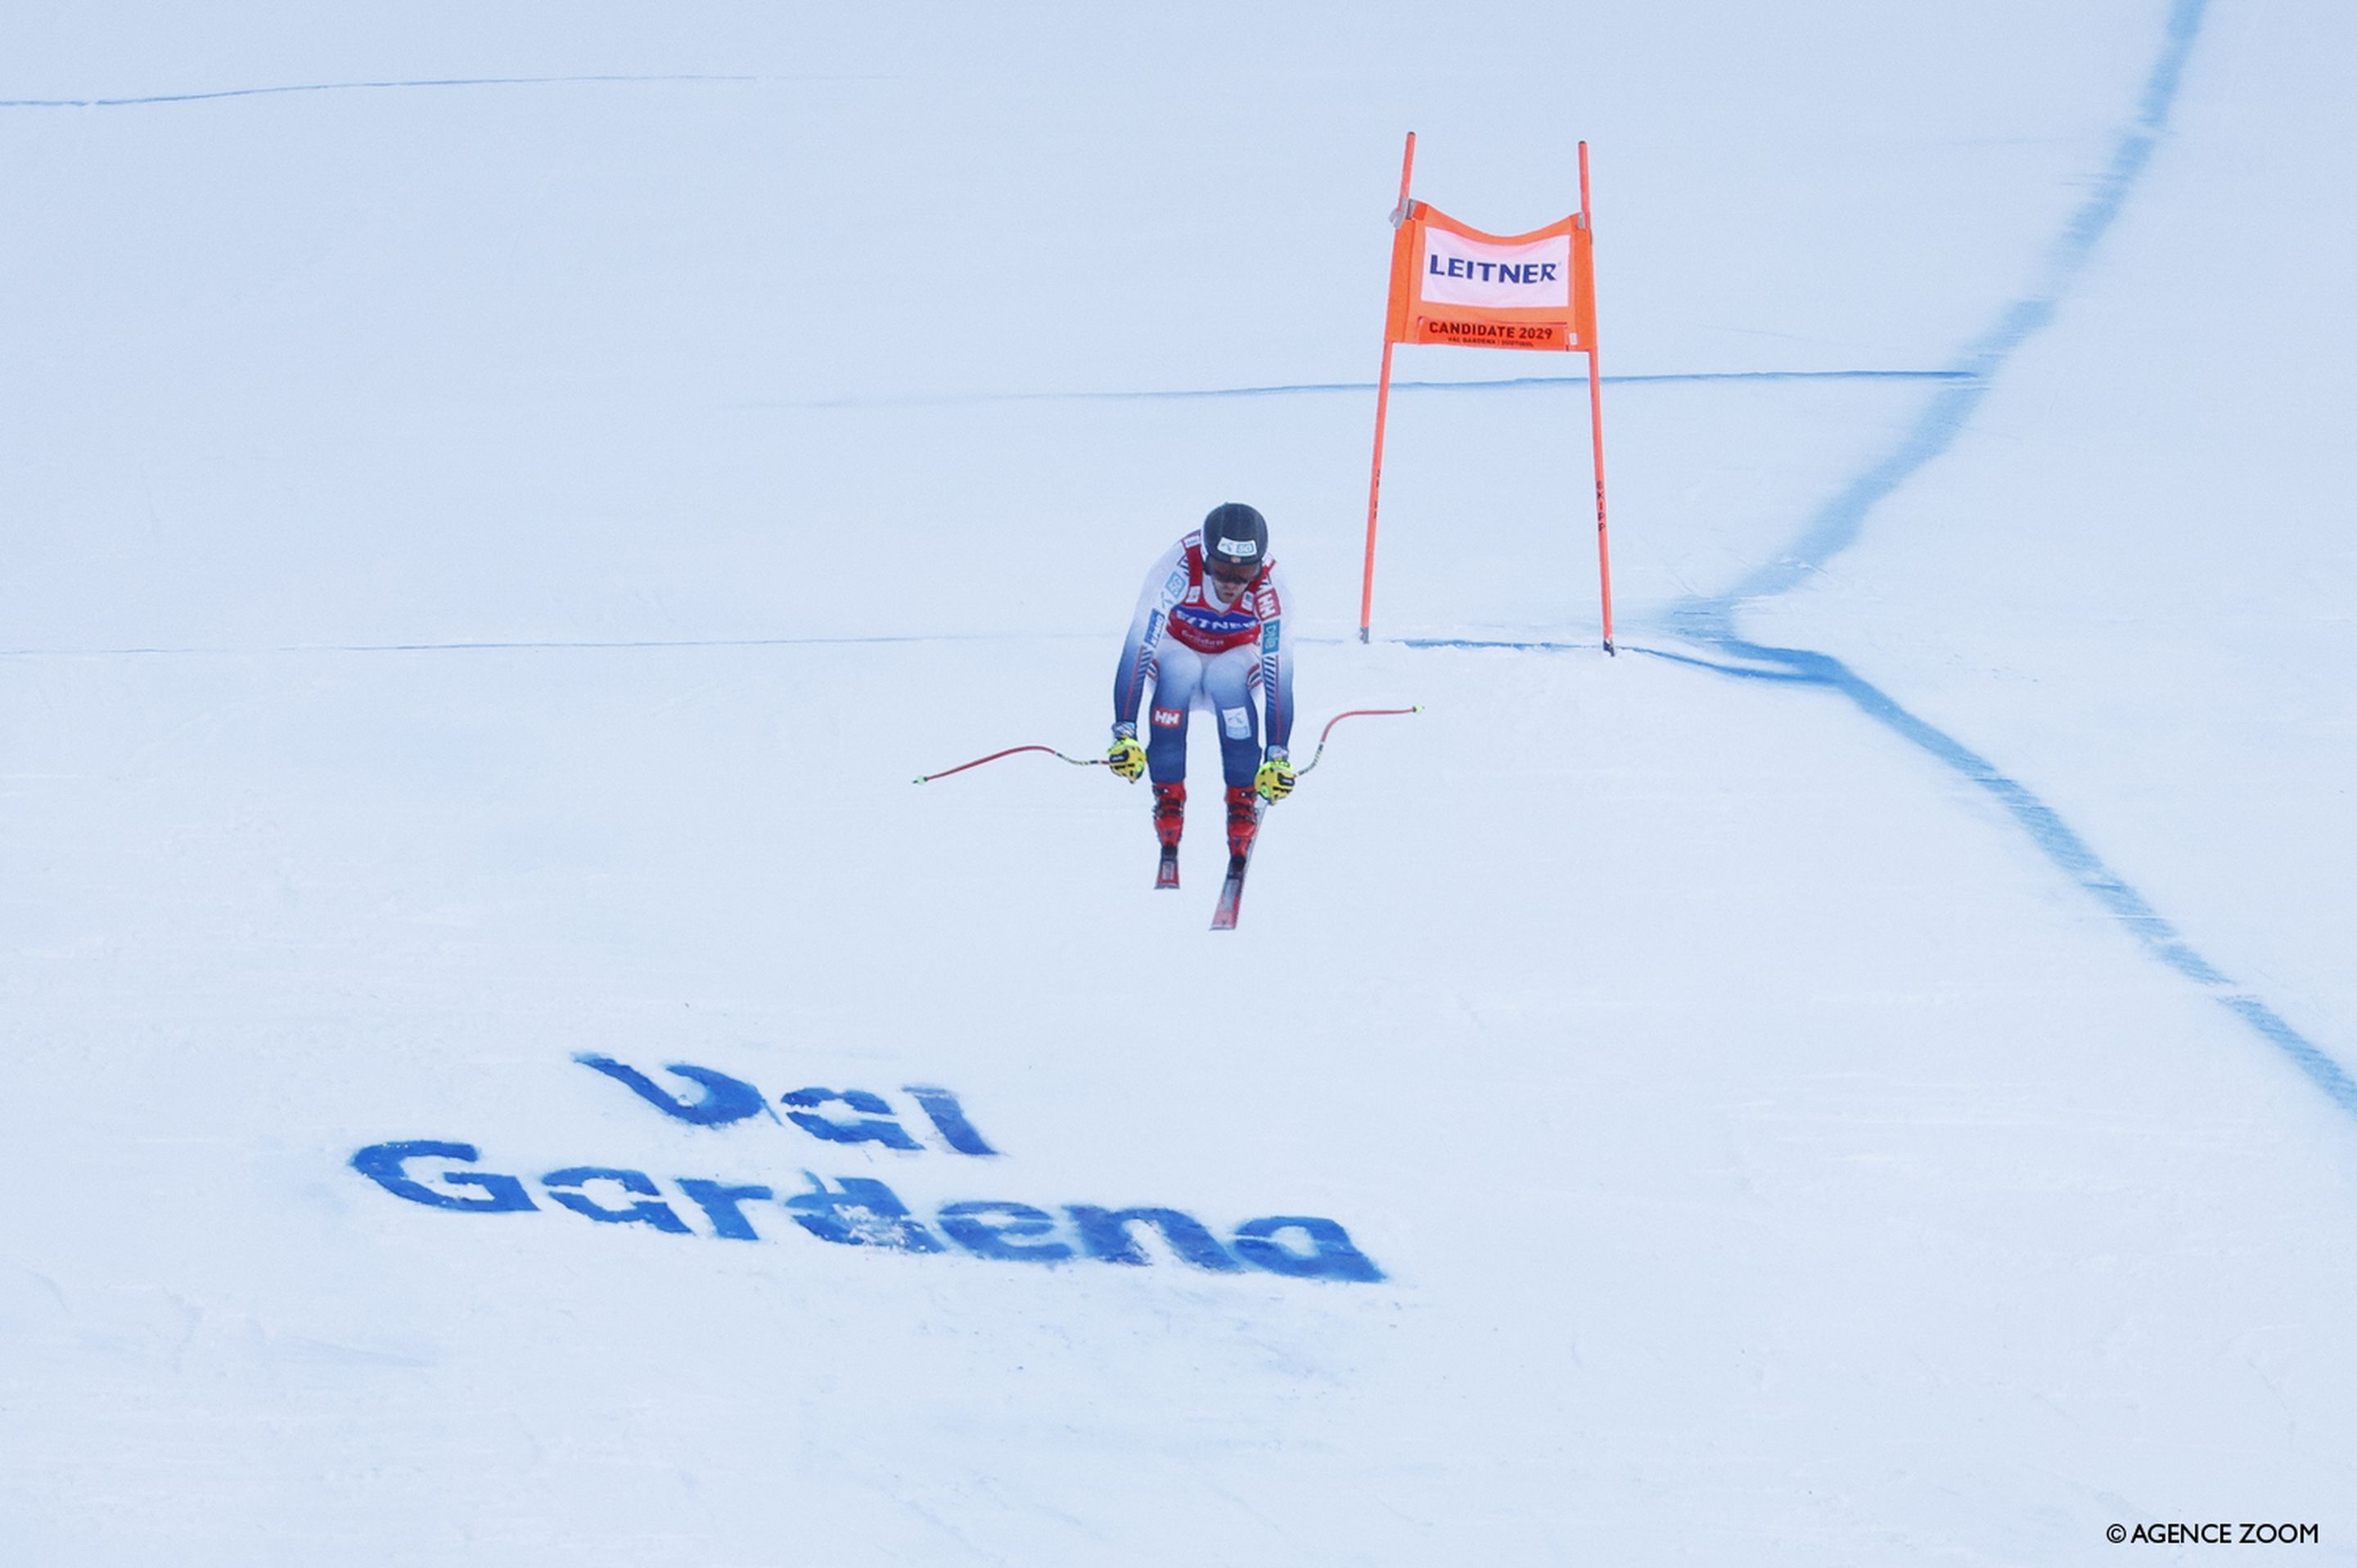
{"x": 1710, "y": 621}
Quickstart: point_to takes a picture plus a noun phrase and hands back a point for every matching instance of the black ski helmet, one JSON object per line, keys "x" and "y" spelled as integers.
{"x": 1234, "y": 532}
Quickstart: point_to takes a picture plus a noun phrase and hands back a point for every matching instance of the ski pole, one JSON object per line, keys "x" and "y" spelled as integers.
{"x": 1101, "y": 762}
{"x": 1353, "y": 714}
{"x": 1010, "y": 751}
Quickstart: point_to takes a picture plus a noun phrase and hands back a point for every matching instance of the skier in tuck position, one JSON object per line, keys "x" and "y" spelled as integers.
{"x": 1209, "y": 630}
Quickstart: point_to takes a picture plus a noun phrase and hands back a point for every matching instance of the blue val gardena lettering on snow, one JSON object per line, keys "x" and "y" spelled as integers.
{"x": 851, "y": 1211}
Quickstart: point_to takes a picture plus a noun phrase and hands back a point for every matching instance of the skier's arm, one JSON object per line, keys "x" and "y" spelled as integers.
{"x": 1164, "y": 588}
{"x": 1277, "y": 669}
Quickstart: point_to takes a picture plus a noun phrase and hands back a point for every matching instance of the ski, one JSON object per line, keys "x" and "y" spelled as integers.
{"x": 1166, "y": 874}
{"x": 1231, "y": 891}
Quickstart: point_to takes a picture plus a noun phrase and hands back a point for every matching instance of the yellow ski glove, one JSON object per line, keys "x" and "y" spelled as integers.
{"x": 1126, "y": 758}
{"x": 1275, "y": 781}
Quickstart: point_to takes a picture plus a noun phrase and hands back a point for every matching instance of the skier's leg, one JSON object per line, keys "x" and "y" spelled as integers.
{"x": 1178, "y": 677}
{"x": 1227, "y": 681}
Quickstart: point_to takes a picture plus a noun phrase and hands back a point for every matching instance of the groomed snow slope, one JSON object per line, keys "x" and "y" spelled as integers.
{"x": 496, "y": 519}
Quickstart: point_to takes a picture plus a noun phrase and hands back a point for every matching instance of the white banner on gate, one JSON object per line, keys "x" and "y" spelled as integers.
{"x": 1459, "y": 271}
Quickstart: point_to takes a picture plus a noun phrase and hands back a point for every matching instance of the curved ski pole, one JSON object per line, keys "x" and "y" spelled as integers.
{"x": 1099, "y": 762}
{"x": 1010, "y": 751}
{"x": 1353, "y": 714}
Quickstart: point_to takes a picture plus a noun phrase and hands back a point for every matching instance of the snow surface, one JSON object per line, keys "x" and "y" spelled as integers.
{"x": 498, "y": 507}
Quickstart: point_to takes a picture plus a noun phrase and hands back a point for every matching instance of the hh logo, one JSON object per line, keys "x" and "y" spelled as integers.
{"x": 1169, "y": 718}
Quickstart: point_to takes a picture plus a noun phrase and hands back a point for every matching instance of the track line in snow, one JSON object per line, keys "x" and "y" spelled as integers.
{"x": 398, "y": 85}
{"x": 2060, "y": 842}
{"x": 1299, "y": 389}
{"x": 1837, "y": 523}
{"x": 1710, "y": 621}
{"x": 568, "y": 645}
{"x": 533, "y": 645}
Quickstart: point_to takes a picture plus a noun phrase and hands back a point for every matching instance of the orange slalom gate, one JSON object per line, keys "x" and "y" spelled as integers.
{"x": 1454, "y": 284}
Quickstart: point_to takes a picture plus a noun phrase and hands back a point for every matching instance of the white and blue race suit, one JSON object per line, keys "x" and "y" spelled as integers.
{"x": 1201, "y": 652}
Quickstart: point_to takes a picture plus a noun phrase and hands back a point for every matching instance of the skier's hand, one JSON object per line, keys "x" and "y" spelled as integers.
{"x": 1275, "y": 781}
{"x": 1126, "y": 758}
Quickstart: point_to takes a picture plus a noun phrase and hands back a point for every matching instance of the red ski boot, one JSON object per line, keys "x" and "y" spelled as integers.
{"x": 1169, "y": 820}
{"x": 1244, "y": 819}
{"x": 1170, "y": 812}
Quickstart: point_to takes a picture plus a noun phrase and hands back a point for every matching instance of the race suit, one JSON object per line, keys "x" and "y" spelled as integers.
{"x": 1202, "y": 653}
